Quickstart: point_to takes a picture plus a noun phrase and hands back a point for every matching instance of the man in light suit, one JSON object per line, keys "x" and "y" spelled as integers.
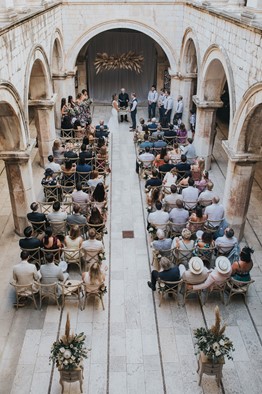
{"x": 25, "y": 273}
{"x": 50, "y": 272}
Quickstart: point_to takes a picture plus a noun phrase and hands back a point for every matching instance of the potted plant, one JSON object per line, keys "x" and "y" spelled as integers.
{"x": 212, "y": 342}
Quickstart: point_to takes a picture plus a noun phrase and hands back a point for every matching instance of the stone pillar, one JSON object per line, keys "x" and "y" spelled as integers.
{"x": 59, "y": 89}
{"x": 239, "y": 180}
{"x": 205, "y": 128}
{"x": 20, "y": 182}
{"x": 187, "y": 91}
{"x": 70, "y": 89}
{"x": 175, "y": 88}
{"x": 45, "y": 125}
{"x": 82, "y": 78}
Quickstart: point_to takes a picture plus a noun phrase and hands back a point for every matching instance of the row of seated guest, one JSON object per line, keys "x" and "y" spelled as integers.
{"x": 76, "y": 110}
{"x": 154, "y": 130}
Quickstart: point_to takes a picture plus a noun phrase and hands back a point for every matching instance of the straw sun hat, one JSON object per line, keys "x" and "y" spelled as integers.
{"x": 196, "y": 265}
{"x": 223, "y": 265}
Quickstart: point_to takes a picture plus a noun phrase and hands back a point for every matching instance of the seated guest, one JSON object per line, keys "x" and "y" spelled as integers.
{"x": 181, "y": 134}
{"x": 51, "y": 164}
{"x": 183, "y": 166}
{"x": 166, "y": 167}
{"x": 190, "y": 195}
{"x": 168, "y": 272}
{"x": 152, "y": 125}
{"x": 25, "y": 273}
{"x": 52, "y": 273}
{"x": 101, "y": 132}
{"x": 197, "y": 220}
{"x": 58, "y": 151}
{"x": 162, "y": 243}
{"x": 226, "y": 242}
{"x": 80, "y": 197}
{"x": 183, "y": 243}
{"x": 206, "y": 240}
{"x": 58, "y": 215}
{"x": 49, "y": 178}
{"x": 99, "y": 196}
{"x": 171, "y": 199}
{"x": 218, "y": 276}
{"x": 178, "y": 215}
{"x": 68, "y": 167}
{"x": 94, "y": 278}
{"x": 86, "y": 154}
{"x": 170, "y": 132}
{"x": 76, "y": 217}
{"x": 95, "y": 178}
{"x": 101, "y": 124}
{"x": 50, "y": 241}
{"x": 95, "y": 217}
{"x": 241, "y": 268}
{"x": 92, "y": 243}
{"x": 175, "y": 154}
{"x": 202, "y": 184}
{"x": 154, "y": 180}
{"x": 35, "y": 216}
{"x": 190, "y": 151}
{"x": 197, "y": 272}
{"x": 206, "y": 196}
{"x": 197, "y": 169}
{"x": 159, "y": 218}
{"x": 170, "y": 178}
{"x": 145, "y": 158}
{"x": 29, "y": 242}
{"x": 157, "y": 133}
{"x": 79, "y": 130}
{"x": 74, "y": 239}
{"x": 214, "y": 212}
{"x": 102, "y": 155}
{"x": 159, "y": 160}
{"x": 82, "y": 166}
{"x": 70, "y": 154}
{"x": 146, "y": 142}
{"x": 160, "y": 143}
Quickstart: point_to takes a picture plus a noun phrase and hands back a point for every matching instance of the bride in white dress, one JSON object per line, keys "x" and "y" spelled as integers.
{"x": 113, "y": 124}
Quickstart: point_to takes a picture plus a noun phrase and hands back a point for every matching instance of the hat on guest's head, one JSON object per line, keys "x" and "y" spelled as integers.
{"x": 160, "y": 234}
{"x": 223, "y": 265}
{"x": 186, "y": 233}
{"x": 196, "y": 265}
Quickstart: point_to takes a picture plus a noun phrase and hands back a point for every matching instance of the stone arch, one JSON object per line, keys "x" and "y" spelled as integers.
{"x": 246, "y": 137}
{"x": 57, "y": 53}
{"x": 189, "y": 53}
{"x": 72, "y": 53}
{"x": 13, "y": 128}
{"x": 215, "y": 71}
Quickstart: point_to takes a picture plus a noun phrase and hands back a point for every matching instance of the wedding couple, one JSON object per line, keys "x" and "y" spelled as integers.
{"x": 113, "y": 124}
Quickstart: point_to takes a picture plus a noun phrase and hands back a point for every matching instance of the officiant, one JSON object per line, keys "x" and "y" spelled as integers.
{"x": 123, "y": 100}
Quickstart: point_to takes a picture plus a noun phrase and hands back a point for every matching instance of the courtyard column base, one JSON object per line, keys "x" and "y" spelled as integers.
{"x": 45, "y": 125}
{"x": 205, "y": 128}
{"x": 20, "y": 182}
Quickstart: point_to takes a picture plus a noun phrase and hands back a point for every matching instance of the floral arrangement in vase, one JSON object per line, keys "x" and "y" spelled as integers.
{"x": 69, "y": 351}
{"x": 212, "y": 341}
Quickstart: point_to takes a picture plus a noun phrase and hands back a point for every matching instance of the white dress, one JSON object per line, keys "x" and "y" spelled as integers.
{"x": 113, "y": 124}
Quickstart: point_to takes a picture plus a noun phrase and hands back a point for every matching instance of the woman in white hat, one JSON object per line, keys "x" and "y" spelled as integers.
{"x": 197, "y": 272}
{"x": 219, "y": 275}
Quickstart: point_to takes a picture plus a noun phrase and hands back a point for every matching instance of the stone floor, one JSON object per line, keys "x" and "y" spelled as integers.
{"x": 136, "y": 347}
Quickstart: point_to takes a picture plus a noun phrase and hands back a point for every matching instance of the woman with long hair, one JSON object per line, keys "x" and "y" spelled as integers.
{"x": 241, "y": 268}
{"x": 197, "y": 220}
{"x": 113, "y": 124}
{"x": 175, "y": 154}
{"x": 159, "y": 160}
{"x": 64, "y": 108}
{"x": 94, "y": 278}
{"x": 73, "y": 241}
{"x": 95, "y": 216}
{"x": 99, "y": 197}
{"x": 50, "y": 241}
{"x": 58, "y": 151}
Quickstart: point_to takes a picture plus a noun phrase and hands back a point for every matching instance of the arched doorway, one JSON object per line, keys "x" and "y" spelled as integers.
{"x": 39, "y": 104}
{"x": 13, "y": 150}
{"x": 133, "y": 50}
{"x": 58, "y": 75}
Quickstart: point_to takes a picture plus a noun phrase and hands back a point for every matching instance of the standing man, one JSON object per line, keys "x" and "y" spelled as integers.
{"x": 179, "y": 109}
{"x": 168, "y": 106}
{"x": 152, "y": 100}
{"x": 133, "y": 110}
{"x": 161, "y": 102}
{"x": 123, "y": 100}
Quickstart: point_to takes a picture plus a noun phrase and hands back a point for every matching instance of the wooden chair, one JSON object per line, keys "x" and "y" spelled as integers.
{"x": 157, "y": 254}
{"x": 100, "y": 230}
{"x": 52, "y": 193}
{"x": 169, "y": 140}
{"x": 167, "y": 287}
{"x": 91, "y": 256}
{"x": 183, "y": 256}
{"x": 195, "y": 226}
{"x": 216, "y": 288}
{"x": 34, "y": 256}
{"x": 188, "y": 291}
{"x": 176, "y": 228}
{"x": 58, "y": 228}
{"x": 45, "y": 207}
{"x": 224, "y": 250}
{"x": 238, "y": 287}
{"x": 67, "y": 133}
{"x": 72, "y": 289}
{"x": 99, "y": 293}
{"x": 190, "y": 205}
{"x": 73, "y": 256}
{"x": 82, "y": 177}
{"x": 24, "y": 292}
{"x": 38, "y": 227}
{"x": 48, "y": 291}
{"x": 56, "y": 253}
{"x": 206, "y": 254}
{"x": 168, "y": 207}
{"x": 204, "y": 203}
{"x": 211, "y": 226}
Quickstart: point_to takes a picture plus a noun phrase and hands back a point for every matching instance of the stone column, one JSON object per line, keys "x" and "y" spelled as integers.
{"x": 205, "y": 128}
{"x": 20, "y": 182}
{"x": 70, "y": 89}
{"x": 187, "y": 91}
{"x": 239, "y": 180}
{"x": 59, "y": 89}
{"x": 175, "y": 88}
{"x": 45, "y": 125}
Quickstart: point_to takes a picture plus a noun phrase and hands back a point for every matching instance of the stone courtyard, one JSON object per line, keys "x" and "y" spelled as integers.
{"x": 135, "y": 346}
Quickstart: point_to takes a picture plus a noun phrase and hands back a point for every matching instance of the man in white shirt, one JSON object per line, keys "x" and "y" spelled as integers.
{"x": 227, "y": 242}
{"x": 159, "y": 218}
{"x": 57, "y": 215}
{"x": 190, "y": 195}
{"x": 92, "y": 243}
{"x": 190, "y": 151}
{"x": 25, "y": 273}
{"x": 51, "y": 164}
{"x": 152, "y": 100}
{"x": 179, "y": 216}
{"x": 205, "y": 198}
{"x": 179, "y": 108}
{"x": 171, "y": 199}
{"x": 146, "y": 158}
{"x": 50, "y": 272}
{"x": 215, "y": 212}
{"x": 161, "y": 101}
{"x": 168, "y": 106}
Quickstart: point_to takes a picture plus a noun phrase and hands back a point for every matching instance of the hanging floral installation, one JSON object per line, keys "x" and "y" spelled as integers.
{"x": 127, "y": 61}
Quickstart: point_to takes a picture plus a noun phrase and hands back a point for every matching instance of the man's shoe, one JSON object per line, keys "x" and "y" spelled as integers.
{"x": 149, "y": 284}
{"x": 126, "y": 120}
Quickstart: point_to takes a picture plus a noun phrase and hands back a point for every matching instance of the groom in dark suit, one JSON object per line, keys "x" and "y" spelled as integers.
{"x": 123, "y": 100}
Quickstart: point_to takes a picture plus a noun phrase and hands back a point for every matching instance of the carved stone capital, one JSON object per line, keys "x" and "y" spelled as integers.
{"x": 43, "y": 104}
{"x": 15, "y": 157}
{"x": 207, "y": 104}
{"x": 240, "y": 157}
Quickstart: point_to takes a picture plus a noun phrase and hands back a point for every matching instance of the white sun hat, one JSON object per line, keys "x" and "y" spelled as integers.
{"x": 196, "y": 265}
{"x": 223, "y": 265}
